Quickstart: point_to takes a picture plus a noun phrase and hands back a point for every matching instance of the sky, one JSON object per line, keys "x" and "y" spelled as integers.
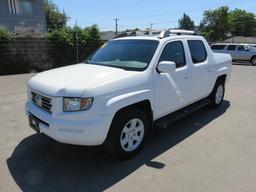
{"x": 141, "y": 13}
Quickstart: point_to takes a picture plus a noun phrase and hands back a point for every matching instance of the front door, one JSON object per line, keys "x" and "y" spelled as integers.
{"x": 172, "y": 91}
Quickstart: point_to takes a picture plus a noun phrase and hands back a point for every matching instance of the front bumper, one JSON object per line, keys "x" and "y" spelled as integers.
{"x": 77, "y": 131}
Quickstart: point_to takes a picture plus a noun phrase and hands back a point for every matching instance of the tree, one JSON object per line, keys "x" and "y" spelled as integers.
{"x": 215, "y": 24}
{"x": 186, "y": 23}
{"x": 93, "y": 32}
{"x": 54, "y": 18}
{"x": 242, "y": 23}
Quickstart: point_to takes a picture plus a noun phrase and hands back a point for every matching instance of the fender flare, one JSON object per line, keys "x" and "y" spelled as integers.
{"x": 220, "y": 72}
{"x": 116, "y": 103}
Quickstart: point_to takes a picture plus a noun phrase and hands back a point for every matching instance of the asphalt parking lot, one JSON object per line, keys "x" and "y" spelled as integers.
{"x": 209, "y": 150}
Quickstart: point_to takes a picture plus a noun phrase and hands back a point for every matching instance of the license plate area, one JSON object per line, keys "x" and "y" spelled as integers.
{"x": 34, "y": 123}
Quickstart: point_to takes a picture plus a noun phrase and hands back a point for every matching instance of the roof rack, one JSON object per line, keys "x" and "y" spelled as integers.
{"x": 159, "y": 33}
{"x": 167, "y": 33}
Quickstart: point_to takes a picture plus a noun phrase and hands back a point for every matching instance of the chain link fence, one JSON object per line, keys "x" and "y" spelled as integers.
{"x": 24, "y": 55}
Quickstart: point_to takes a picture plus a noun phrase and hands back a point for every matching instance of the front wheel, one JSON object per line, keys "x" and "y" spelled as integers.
{"x": 217, "y": 95}
{"x": 127, "y": 134}
{"x": 253, "y": 60}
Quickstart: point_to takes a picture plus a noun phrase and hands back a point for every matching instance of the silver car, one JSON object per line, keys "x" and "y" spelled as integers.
{"x": 238, "y": 52}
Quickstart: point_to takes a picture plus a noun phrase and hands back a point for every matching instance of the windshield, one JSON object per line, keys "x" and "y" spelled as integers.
{"x": 126, "y": 54}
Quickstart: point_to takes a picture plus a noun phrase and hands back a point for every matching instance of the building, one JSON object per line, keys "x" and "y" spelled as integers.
{"x": 241, "y": 39}
{"x": 107, "y": 35}
{"x": 17, "y": 14}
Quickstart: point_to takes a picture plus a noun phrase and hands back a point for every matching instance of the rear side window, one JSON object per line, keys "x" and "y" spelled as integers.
{"x": 174, "y": 51}
{"x": 241, "y": 48}
{"x": 231, "y": 47}
{"x": 197, "y": 51}
{"x": 218, "y": 47}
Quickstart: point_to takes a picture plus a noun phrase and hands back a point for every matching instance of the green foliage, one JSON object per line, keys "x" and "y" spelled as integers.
{"x": 186, "y": 23}
{"x": 5, "y": 34}
{"x": 67, "y": 36}
{"x": 218, "y": 23}
{"x": 242, "y": 23}
{"x": 215, "y": 24}
{"x": 5, "y": 38}
{"x": 61, "y": 37}
{"x": 54, "y": 18}
{"x": 93, "y": 33}
{"x": 63, "y": 43}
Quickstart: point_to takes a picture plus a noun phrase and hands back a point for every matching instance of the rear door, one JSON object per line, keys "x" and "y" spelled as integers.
{"x": 202, "y": 69}
{"x": 243, "y": 52}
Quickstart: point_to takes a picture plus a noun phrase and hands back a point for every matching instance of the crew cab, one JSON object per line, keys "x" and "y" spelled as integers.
{"x": 124, "y": 90}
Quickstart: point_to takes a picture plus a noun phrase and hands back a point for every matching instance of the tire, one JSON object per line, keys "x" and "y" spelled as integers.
{"x": 217, "y": 95}
{"x": 253, "y": 60}
{"x": 127, "y": 134}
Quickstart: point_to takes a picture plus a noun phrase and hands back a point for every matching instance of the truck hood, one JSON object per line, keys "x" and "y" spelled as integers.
{"x": 75, "y": 79}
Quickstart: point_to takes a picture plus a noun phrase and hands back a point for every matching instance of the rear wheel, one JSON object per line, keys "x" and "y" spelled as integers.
{"x": 217, "y": 94}
{"x": 253, "y": 60}
{"x": 128, "y": 133}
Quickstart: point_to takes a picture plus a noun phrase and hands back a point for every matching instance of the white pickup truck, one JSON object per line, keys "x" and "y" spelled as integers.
{"x": 128, "y": 87}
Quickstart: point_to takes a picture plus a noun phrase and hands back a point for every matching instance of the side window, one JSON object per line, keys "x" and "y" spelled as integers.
{"x": 12, "y": 4}
{"x": 174, "y": 51}
{"x": 197, "y": 51}
{"x": 25, "y": 7}
{"x": 242, "y": 48}
{"x": 218, "y": 47}
{"x": 231, "y": 47}
{"x": 20, "y": 7}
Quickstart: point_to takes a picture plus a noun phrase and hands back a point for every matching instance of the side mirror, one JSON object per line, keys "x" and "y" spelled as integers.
{"x": 166, "y": 67}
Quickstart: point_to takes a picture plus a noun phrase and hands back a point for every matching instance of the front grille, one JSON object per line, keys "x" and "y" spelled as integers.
{"x": 42, "y": 101}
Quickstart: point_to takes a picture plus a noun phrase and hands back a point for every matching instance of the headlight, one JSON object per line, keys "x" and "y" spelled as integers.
{"x": 77, "y": 104}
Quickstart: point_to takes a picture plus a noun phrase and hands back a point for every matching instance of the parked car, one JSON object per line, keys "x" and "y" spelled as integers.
{"x": 128, "y": 87}
{"x": 238, "y": 52}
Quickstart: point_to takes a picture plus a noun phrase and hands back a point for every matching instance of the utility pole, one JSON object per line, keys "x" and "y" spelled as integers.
{"x": 151, "y": 25}
{"x": 116, "y": 22}
{"x": 77, "y": 54}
